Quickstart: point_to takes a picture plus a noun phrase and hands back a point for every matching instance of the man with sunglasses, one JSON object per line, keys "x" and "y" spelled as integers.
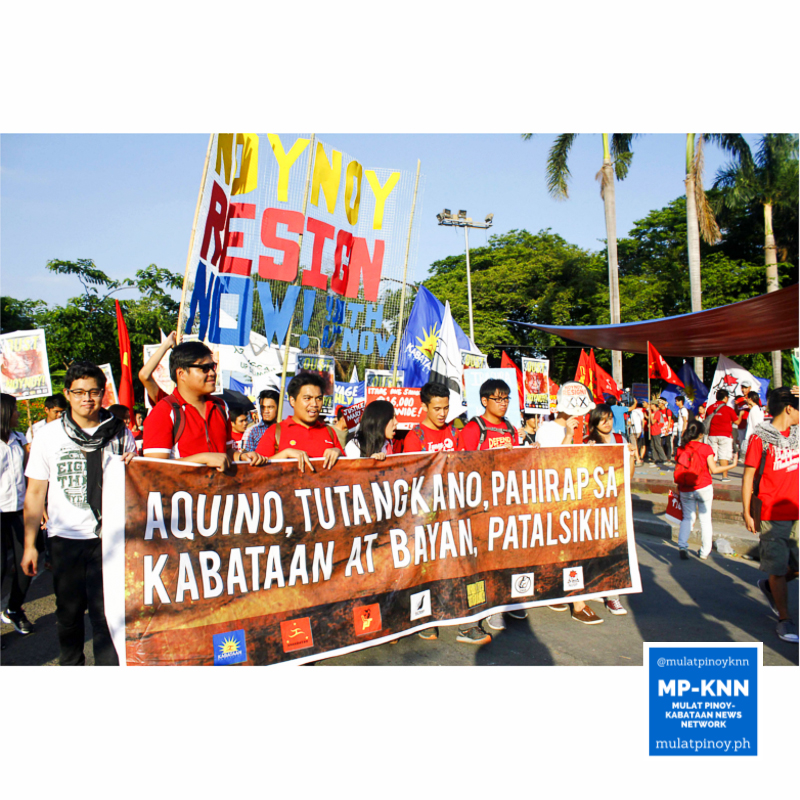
{"x": 192, "y": 424}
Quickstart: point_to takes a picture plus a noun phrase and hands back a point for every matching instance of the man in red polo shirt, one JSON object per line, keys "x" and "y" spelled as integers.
{"x": 719, "y": 422}
{"x": 202, "y": 431}
{"x": 302, "y": 436}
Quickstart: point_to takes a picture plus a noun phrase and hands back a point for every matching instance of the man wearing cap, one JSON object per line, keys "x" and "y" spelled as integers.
{"x": 573, "y": 401}
{"x": 742, "y": 408}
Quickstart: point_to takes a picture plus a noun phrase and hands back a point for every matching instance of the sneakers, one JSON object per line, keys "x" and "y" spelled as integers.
{"x": 724, "y": 480}
{"x": 496, "y": 622}
{"x": 474, "y": 635}
{"x": 615, "y": 607}
{"x": 763, "y": 584}
{"x": 587, "y": 616}
{"x": 18, "y": 620}
{"x": 787, "y": 630}
{"x": 429, "y": 634}
{"x": 559, "y": 607}
{"x": 684, "y": 554}
{"x": 518, "y": 613}
{"x": 701, "y": 556}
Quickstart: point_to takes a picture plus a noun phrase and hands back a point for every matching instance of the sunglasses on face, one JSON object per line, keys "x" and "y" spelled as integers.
{"x": 205, "y": 367}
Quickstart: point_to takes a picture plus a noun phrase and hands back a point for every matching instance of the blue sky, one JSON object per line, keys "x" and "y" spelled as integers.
{"x": 127, "y": 201}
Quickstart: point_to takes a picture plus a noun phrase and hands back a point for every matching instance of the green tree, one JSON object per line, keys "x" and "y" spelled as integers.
{"x": 771, "y": 182}
{"x": 558, "y": 175}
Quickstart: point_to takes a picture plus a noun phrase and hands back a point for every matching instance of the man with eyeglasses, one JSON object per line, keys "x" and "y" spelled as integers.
{"x": 192, "y": 424}
{"x": 66, "y": 467}
{"x": 492, "y": 431}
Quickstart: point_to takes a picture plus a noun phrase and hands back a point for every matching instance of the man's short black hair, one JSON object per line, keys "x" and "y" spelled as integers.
{"x": 120, "y": 411}
{"x": 488, "y": 387}
{"x": 56, "y": 401}
{"x": 755, "y": 397}
{"x": 268, "y": 394}
{"x": 80, "y": 370}
{"x": 779, "y": 398}
{"x": 680, "y": 399}
{"x": 432, "y": 389}
{"x": 234, "y": 412}
{"x": 722, "y": 394}
{"x": 612, "y": 401}
{"x": 305, "y": 379}
{"x": 184, "y": 355}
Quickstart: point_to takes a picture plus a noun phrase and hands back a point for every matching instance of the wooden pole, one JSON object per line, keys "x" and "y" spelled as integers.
{"x": 649, "y": 404}
{"x": 28, "y": 409}
{"x": 182, "y": 308}
{"x": 300, "y": 246}
{"x": 405, "y": 273}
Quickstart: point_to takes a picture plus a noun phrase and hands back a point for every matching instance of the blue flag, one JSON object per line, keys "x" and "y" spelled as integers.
{"x": 695, "y": 392}
{"x": 763, "y": 389}
{"x": 420, "y": 336}
{"x": 348, "y": 393}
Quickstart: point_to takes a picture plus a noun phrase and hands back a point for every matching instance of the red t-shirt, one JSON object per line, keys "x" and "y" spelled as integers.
{"x": 657, "y": 418}
{"x": 210, "y": 435}
{"x": 435, "y": 440}
{"x": 722, "y": 424}
{"x": 704, "y": 451}
{"x": 496, "y": 435}
{"x": 779, "y": 488}
{"x": 741, "y": 405}
{"x": 313, "y": 440}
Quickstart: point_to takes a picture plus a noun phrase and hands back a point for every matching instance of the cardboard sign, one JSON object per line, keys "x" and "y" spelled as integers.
{"x": 406, "y": 402}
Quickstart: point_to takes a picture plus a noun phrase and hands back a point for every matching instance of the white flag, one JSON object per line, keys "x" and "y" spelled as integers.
{"x": 729, "y": 375}
{"x": 446, "y": 365}
{"x": 354, "y": 376}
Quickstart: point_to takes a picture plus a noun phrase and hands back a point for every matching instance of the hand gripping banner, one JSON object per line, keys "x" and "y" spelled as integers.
{"x": 267, "y": 565}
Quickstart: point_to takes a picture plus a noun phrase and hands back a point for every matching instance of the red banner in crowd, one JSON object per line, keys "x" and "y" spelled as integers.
{"x": 267, "y": 565}
{"x": 406, "y": 402}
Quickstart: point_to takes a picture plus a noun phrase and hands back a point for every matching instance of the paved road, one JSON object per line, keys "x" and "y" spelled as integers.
{"x": 682, "y": 601}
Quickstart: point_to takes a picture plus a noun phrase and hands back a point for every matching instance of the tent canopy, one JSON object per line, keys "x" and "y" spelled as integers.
{"x": 758, "y": 325}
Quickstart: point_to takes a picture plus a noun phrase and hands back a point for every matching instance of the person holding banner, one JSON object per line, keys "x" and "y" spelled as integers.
{"x": 306, "y": 436}
{"x": 433, "y": 434}
{"x": 375, "y": 435}
{"x": 268, "y": 406}
{"x": 13, "y": 454}
{"x": 191, "y": 424}
{"x": 66, "y": 467}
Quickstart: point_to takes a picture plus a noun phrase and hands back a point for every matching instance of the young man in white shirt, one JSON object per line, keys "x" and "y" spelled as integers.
{"x": 66, "y": 466}
{"x": 54, "y": 407}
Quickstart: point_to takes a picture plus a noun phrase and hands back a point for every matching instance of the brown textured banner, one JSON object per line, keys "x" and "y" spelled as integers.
{"x": 267, "y": 565}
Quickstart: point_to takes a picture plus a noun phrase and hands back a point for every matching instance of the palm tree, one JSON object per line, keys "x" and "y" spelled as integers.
{"x": 771, "y": 182}
{"x": 700, "y": 219}
{"x": 616, "y": 160}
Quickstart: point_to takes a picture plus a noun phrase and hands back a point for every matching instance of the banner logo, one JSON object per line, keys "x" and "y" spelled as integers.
{"x": 367, "y": 619}
{"x": 476, "y": 593}
{"x": 522, "y": 585}
{"x": 573, "y": 578}
{"x": 420, "y": 605}
{"x": 229, "y": 648}
{"x": 296, "y": 634}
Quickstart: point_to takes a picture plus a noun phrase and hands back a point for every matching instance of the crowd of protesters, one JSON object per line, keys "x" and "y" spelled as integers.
{"x": 51, "y": 484}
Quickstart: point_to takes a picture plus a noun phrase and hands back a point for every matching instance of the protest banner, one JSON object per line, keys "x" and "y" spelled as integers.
{"x": 383, "y": 377}
{"x": 325, "y": 367}
{"x": 536, "y": 373}
{"x": 201, "y": 567}
{"x": 473, "y": 380}
{"x": 353, "y": 413}
{"x": 161, "y": 373}
{"x": 346, "y": 394}
{"x": 110, "y": 396}
{"x": 473, "y": 360}
{"x": 405, "y": 399}
{"x": 24, "y": 369}
{"x": 321, "y": 239}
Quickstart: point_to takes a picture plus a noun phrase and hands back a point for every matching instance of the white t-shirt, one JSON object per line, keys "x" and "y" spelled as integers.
{"x": 12, "y": 477}
{"x": 352, "y": 450}
{"x": 550, "y": 434}
{"x": 34, "y": 429}
{"x": 57, "y": 459}
{"x": 637, "y": 420}
{"x": 683, "y": 420}
{"x": 755, "y": 417}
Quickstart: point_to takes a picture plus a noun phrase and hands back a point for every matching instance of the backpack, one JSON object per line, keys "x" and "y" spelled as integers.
{"x": 707, "y": 421}
{"x": 179, "y": 417}
{"x": 483, "y": 428}
{"x": 688, "y": 468}
{"x": 420, "y": 434}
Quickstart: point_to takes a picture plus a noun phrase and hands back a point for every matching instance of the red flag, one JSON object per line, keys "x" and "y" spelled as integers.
{"x": 587, "y": 373}
{"x": 506, "y": 362}
{"x": 658, "y": 368}
{"x": 606, "y": 384}
{"x": 126, "y": 381}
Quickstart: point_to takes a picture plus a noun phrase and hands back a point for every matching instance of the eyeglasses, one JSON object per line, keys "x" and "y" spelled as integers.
{"x": 503, "y": 401}
{"x": 93, "y": 393}
{"x": 205, "y": 367}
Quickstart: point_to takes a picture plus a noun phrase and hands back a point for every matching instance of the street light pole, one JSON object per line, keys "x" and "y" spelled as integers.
{"x": 463, "y": 221}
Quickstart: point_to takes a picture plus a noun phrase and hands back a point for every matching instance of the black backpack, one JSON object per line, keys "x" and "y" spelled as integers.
{"x": 484, "y": 429}
{"x": 179, "y": 417}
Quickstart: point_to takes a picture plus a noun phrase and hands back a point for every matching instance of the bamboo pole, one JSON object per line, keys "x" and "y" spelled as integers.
{"x": 28, "y": 409}
{"x": 182, "y": 308}
{"x": 405, "y": 274}
{"x": 649, "y": 404}
{"x": 297, "y": 279}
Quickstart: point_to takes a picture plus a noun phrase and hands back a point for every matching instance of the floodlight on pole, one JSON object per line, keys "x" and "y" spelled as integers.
{"x": 465, "y": 222}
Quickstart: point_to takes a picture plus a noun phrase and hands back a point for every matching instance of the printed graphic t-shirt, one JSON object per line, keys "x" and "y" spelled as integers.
{"x": 57, "y": 459}
{"x": 435, "y": 441}
{"x": 779, "y": 487}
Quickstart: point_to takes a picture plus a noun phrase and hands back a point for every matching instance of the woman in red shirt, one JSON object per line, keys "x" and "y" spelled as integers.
{"x": 695, "y": 464}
